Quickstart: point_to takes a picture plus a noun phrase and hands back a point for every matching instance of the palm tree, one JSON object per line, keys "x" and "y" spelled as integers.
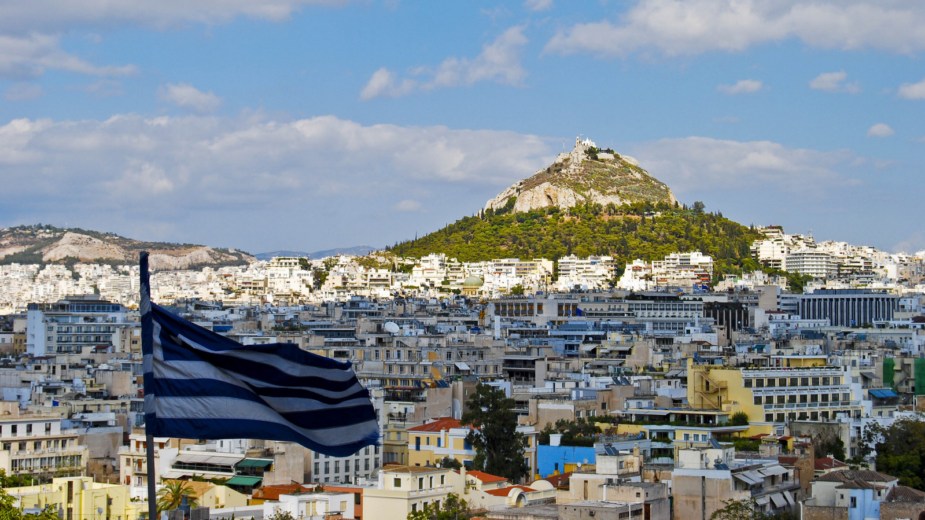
{"x": 171, "y": 495}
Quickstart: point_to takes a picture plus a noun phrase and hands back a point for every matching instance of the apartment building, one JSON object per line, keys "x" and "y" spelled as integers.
{"x": 37, "y": 445}
{"x": 794, "y": 388}
{"x": 70, "y": 325}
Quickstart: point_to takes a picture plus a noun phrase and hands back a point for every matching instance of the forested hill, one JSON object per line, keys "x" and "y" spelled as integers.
{"x": 627, "y": 232}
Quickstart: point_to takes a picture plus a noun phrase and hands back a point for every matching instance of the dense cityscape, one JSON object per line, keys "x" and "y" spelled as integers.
{"x": 652, "y": 389}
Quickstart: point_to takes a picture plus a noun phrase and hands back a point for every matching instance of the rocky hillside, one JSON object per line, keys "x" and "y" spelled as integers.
{"x": 48, "y": 245}
{"x": 586, "y": 174}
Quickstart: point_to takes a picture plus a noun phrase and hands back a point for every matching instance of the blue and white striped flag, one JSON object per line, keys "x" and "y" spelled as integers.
{"x": 201, "y": 385}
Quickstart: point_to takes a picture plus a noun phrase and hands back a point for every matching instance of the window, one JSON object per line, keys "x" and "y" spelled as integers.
{"x": 854, "y": 502}
{"x": 420, "y": 482}
{"x": 336, "y": 466}
{"x": 29, "y": 429}
{"x": 396, "y": 482}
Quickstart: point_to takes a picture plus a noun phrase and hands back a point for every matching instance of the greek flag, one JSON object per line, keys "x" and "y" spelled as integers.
{"x": 201, "y": 385}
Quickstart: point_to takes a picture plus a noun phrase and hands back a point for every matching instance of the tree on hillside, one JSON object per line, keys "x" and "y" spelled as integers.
{"x": 901, "y": 452}
{"x": 499, "y": 447}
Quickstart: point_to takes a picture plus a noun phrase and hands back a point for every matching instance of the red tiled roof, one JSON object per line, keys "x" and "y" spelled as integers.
{"x": 558, "y": 480}
{"x": 828, "y": 463}
{"x": 273, "y": 492}
{"x": 905, "y": 494}
{"x": 443, "y": 423}
{"x": 486, "y": 477}
{"x": 503, "y": 492}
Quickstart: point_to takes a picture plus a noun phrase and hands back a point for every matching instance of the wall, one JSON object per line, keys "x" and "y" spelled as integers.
{"x": 549, "y": 456}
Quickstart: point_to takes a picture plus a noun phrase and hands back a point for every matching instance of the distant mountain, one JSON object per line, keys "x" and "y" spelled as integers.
{"x": 40, "y": 244}
{"x": 587, "y": 174}
{"x": 350, "y": 251}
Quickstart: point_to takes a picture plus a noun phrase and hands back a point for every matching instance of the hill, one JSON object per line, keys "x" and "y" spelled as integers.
{"x": 41, "y": 244}
{"x": 641, "y": 230}
{"x": 589, "y": 202}
{"x": 587, "y": 174}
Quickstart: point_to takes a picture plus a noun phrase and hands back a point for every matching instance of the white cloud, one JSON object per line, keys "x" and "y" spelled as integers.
{"x": 407, "y": 205}
{"x": 215, "y": 180}
{"x": 744, "y": 86}
{"x": 834, "y": 82}
{"x": 912, "y": 90}
{"x": 689, "y": 27}
{"x": 56, "y": 15}
{"x": 880, "y": 130}
{"x": 499, "y": 62}
{"x": 189, "y": 97}
{"x": 33, "y": 55}
{"x": 23, "y": 92}
{"x": 538, "y": 5}
{"x": 703, "y": 164}
{"x": 383, "y": 83}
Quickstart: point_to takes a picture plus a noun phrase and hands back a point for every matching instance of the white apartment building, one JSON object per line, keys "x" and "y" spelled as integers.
{"x": 36, "y": 445}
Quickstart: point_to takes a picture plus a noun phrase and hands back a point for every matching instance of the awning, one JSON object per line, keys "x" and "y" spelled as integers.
{"x": 882, "y": 393}
{"x": 462, "y": 366}
{"x": 206, "y": 458}
{"x": 773, "y": 470}
{"x": 241, "y": 480}
{"x": 749, "y": 477}
{"x": 761, "y": 501}
{"x": 254, "y": 463}
{"x": 778, "y": 500}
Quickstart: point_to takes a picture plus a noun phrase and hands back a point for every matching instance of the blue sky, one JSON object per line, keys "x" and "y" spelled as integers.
{"x": 299, "y": 124}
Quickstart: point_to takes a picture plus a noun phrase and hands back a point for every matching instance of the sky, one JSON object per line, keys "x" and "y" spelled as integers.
{"x": 308, "y": 124}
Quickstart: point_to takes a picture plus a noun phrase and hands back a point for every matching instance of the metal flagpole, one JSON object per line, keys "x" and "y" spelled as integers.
{"x": 147, "y": 349}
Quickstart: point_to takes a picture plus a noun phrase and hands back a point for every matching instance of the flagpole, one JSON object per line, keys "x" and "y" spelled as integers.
{"x": 147, "y": 338}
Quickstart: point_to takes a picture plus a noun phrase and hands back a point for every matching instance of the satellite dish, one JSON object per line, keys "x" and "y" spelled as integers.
{"x": 391, "y": 327}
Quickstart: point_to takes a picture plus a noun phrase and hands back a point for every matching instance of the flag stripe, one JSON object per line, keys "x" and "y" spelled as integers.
{"x": 261, "y": 367}
{"x": 189, "y": 370}
{"x": 210, "y": 387}
{"x": 184, "y": 409}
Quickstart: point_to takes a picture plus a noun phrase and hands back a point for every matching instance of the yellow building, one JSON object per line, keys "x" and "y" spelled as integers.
{"x": 430, "y": 442}
{"x": 406, "y": 489}
{"x": 793, "y": 388}
{"x": 80, "y": 498}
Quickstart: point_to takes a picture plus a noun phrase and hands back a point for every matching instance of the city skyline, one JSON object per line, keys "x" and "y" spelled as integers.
{"x": 308, "y": 125}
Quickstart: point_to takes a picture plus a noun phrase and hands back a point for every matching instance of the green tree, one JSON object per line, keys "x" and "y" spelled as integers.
{"x": 171, "y": 495}
{"x": 281, "y": 515}
{"x": 739, "y": 419}
{"x": 901, "y": 452}
{"x": 499, "y": 447}
{"x": 453, "y": 508}
{"x": 450, "y": 463}
{"x": 739, "y": 510}
{"x": 8, "y": 509}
